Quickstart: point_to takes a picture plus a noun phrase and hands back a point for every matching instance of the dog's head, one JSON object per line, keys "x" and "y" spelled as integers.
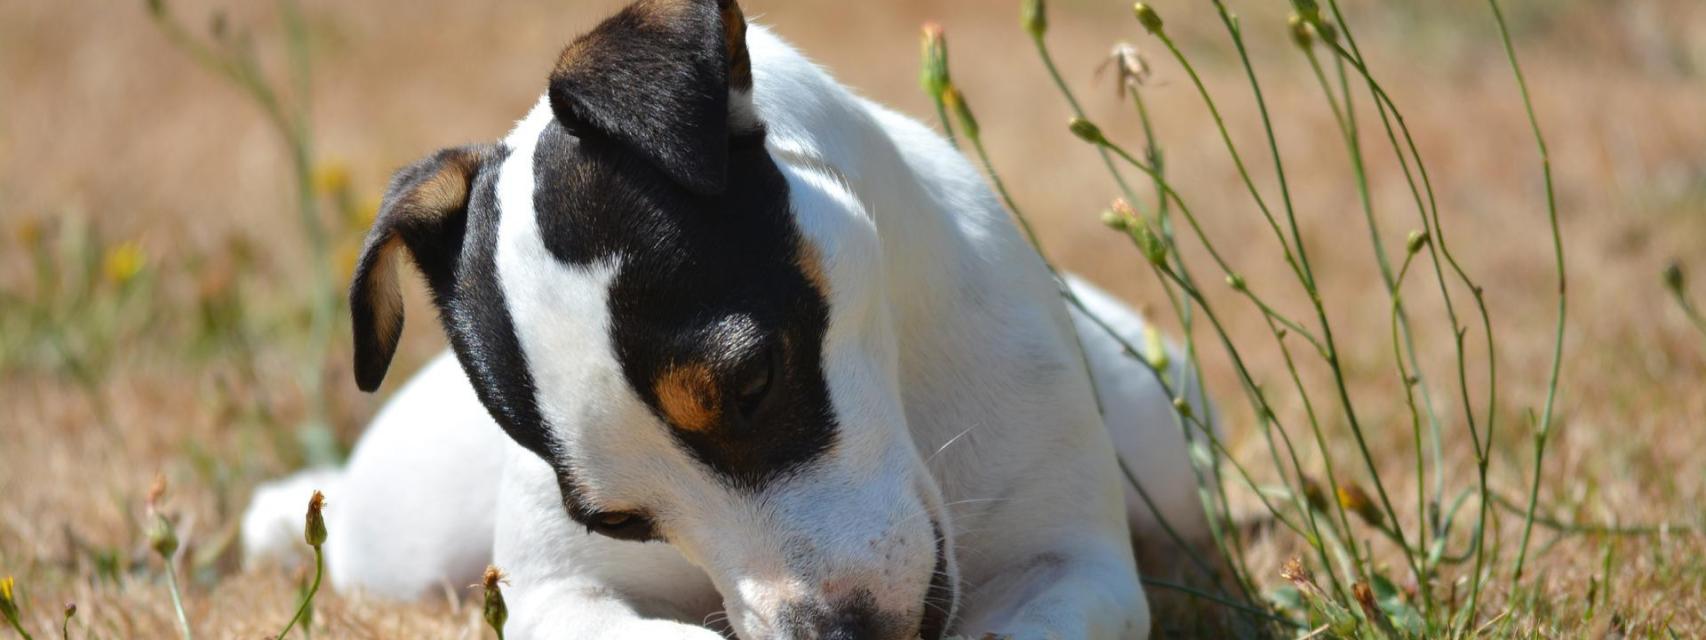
{"x": 691, "y": 332}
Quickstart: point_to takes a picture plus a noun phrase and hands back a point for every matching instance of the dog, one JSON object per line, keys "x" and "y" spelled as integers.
{"x": 738, "y": 352}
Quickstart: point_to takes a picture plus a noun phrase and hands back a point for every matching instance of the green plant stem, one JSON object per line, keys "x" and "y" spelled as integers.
{"x": 1580, "y": 528}
{"x": 1545, "y": 430}
{"x": 308, "y": 598}
{"x": 177, "y": 598}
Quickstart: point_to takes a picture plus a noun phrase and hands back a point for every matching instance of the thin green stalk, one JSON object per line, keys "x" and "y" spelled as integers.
{"x": 1306, "y": 273}
{"x": 1545, "y": 431}
{"x": 177, "y": 598}
{"x": 308, "y": 598}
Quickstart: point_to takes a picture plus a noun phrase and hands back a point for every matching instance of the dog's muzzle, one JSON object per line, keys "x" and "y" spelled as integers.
{"x": 856, "y": 616}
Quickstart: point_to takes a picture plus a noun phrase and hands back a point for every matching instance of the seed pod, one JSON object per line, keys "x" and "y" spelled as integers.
{"x": 1415, "y": 241}
{"x": 314, "y": 530}
{"x": 1147, "y": 17}
{"x": 1086, "y": 131}
{"x": 1034, "y": 16}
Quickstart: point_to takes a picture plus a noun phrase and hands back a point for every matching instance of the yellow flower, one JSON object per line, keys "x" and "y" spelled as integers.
{"x": 123, "y": 261}
{"x": 28, "y": 232}
{"x": 331, "y": 178}
{"x": 6, "y": 589}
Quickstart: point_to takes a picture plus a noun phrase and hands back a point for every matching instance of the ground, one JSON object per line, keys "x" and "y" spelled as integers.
{"x": 169, "y": 336}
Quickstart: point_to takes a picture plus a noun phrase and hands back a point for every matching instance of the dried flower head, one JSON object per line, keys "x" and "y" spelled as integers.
{"x": 1131, "y": 68}
{"x": 314, "y": 530}
{"x": 1147, "y": 17}
{"x": 495, "y": 611}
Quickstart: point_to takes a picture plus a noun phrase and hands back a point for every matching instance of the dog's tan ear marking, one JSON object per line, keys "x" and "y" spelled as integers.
{"x": 734, "y": 41}
{"x": 688, "y": 396}
{"x": 420, "y": 208}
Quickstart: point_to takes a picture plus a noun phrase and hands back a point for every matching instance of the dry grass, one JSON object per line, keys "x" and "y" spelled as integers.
{"x": 102, "y": 122}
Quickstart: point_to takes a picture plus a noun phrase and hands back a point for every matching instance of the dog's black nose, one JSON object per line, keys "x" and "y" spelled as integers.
{"x": 855, "y": 618}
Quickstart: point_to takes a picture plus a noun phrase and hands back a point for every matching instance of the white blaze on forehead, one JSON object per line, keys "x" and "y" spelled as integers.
{"x": 560, "y": 311}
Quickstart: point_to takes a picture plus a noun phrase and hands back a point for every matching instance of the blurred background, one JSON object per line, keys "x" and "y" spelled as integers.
{"x": 169, "y": 306}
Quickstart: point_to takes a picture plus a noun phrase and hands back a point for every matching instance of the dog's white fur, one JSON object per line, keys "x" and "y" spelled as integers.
{"x": 954, "y": 374}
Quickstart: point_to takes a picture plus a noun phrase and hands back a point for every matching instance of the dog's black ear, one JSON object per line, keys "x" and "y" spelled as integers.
{"x": 424, "y": 212}
{"x": 656, "y": 78}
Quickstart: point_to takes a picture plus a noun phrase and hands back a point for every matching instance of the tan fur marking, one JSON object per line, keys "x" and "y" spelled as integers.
{"x": 688, "y": 396}
{"x": 810, "y": 261}
{"x": 734, "y": 37}
{"x": 383, "y": 294}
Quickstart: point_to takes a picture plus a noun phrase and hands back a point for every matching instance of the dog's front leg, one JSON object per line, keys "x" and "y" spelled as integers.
{"x": 1092, "y": 595}
{"x": 564, "y": 582}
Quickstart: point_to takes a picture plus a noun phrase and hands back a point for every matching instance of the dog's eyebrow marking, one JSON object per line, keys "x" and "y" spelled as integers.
{"x": 687, "y": 394}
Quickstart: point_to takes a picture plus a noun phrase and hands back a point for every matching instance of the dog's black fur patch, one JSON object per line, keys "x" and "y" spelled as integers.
{"x": 640, "y": 164}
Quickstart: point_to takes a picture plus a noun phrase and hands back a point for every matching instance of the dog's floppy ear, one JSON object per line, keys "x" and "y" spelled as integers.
{"x": 424, "y": 212}
{"x": 656, "y": 78}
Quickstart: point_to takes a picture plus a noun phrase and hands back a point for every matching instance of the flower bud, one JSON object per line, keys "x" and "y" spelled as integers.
{"x": 1147, "y": 17}
{"x": 1152, "y": 247}
{"x": 934, "y": 75}
{"x": 1415, "y": 242}
{"x": 1673, "y": 277}
{"x": 1113, "y": 220}
{"x": 1182, "y": 406}
{"x": 1155, "y": 349}
{"x": 1300, "y": 33}
{"x": 161, "y": 537}
{"x": 1235, "y": 281}
{"x": 1327, "y": 31}
{"x": 1355, "y": 500}
{"x": 1309, "y": 10}
{"x": 1086, "y": 131}
{"x": 495, "y": 611}
{"x": 1034, "y": 16}
{"x": 962, "y": 111}
{"x": 8, "y": 598}
{"x": 314, "y": 530}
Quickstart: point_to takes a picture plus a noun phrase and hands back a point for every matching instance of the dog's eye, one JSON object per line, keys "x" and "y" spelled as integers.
{"x": 622, "y": 525}
{"x": 755, "y": 381}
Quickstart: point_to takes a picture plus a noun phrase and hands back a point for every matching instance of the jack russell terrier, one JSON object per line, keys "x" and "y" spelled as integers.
{"x": 739, "y": 353}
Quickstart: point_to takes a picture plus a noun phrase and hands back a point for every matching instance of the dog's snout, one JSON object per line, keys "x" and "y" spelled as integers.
{"x": 852, "y": 618}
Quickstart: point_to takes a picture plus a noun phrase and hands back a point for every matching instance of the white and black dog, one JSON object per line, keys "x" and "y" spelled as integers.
{"x": 762, "y": 349}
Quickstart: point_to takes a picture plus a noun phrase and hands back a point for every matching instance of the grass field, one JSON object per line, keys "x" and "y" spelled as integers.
{"x": 163, "y": 313}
